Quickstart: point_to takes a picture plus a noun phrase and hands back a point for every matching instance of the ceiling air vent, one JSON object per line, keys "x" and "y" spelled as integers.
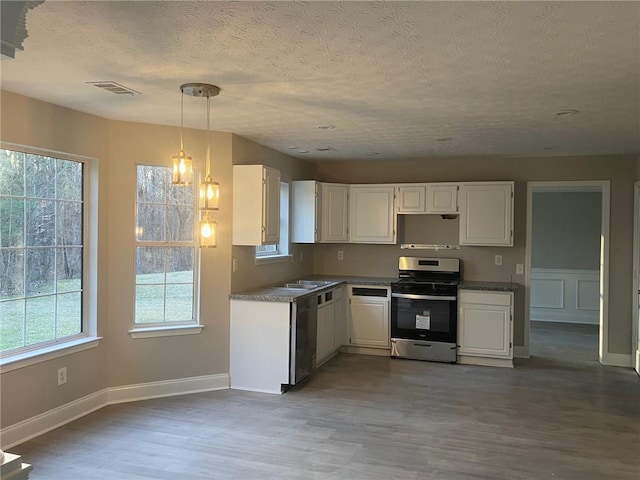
{"x": 114, "y": 87}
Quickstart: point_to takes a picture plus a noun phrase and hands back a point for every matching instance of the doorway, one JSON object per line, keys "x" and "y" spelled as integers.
{"x": 566, "y": 292}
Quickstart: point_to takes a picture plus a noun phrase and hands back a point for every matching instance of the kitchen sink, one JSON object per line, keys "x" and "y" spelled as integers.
{"x": 304, "y": 286}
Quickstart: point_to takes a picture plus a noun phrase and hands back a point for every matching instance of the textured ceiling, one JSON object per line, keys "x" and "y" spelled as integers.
{"x": 396, "y": 79}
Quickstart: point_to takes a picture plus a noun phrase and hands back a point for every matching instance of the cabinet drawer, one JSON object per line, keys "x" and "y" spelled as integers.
{"x": 483, "y": 298}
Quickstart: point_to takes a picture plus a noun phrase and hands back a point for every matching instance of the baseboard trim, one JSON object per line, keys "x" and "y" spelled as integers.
{"x": 485, "y": 361}
{"x": 35, "y": 426}
{"x": 520, "y": 352}
{"x": 380, "y": 352}
{"x": 617, "y": 359}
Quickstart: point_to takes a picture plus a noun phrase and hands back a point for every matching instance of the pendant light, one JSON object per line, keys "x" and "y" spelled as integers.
{"x": 209, "y": 190}
{"x": 182, "y": 164}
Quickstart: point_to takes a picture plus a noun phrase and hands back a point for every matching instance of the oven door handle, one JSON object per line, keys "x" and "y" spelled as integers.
{"x": 422, "y": 297}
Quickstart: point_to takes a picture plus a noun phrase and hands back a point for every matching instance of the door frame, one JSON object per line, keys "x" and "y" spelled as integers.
{"x": 604, "y": 187}
{"x": 635, "y": 296}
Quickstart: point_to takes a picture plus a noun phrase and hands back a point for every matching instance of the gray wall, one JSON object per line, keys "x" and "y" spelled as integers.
{"x": 566, "y": 230}
{"x": 478, "y": 262}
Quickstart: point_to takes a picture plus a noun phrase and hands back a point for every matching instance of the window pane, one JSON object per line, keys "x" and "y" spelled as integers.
{"x": 151, "y": 183}
{"x": 149, "y": 303}
{"x": 151, "y": 222}
{"x": 11, "y": 324}
{"x": 180, "y": 195}
{"x": 69, "y": 223}
{"x": 40, "y": 319}
{"x": 11, "y": 222}
{"x": 40, "y": 176}
{"x": 179, "y": 303}
{"x": 40, "y": 222}
{"x": 11, "y": 172}
{"x": 179, "y": 263}
{"x": 69, "y": 314}
{"x": 150, "y": 265}
{"x": 69, "y": 269}
{"x": 179, "y": 223}
{"x": 69, "y": 180}
{"x": 40, "y": 271}
{"x": 12, "y": 273}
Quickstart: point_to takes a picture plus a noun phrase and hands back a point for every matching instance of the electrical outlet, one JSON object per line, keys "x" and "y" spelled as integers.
{"x": 519, "y": 269}
{"x": 498, "y": 259}
{"x": 340, "y": 255}
{"x": 234, "y": 265}
{"x": 62, "y": 376}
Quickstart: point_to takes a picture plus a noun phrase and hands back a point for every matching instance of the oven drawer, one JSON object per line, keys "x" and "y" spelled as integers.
{"x": 484, "y": 298}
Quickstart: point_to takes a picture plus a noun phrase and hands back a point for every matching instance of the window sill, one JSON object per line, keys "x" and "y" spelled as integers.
{"x": 273, "y": 259}
{"x": 174, "y": 330}
{"x": 26, "y": 359}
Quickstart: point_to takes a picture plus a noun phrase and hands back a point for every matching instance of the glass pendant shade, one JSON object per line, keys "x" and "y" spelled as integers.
{"x": 182, "y": 169}
{"x": 208, "y": 232}
{"x": 209, "y": 194}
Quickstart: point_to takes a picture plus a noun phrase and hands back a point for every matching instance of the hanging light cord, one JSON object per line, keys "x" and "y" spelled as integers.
{"x": 208, "y": 135}
{"x": 181, "y": 118}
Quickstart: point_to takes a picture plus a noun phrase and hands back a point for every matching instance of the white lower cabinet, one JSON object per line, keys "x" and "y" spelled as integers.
{"x": 331, "y": 307}
{"x": 485, "y": 328}
{"x": 369, "y": 312}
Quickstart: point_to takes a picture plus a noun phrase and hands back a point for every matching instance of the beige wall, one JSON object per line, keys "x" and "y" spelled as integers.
{"x": 250, "y": 275}
{"x": 121, "y": 360}
{"x": 478, "y": 261}
{"x": 31, "y": 390}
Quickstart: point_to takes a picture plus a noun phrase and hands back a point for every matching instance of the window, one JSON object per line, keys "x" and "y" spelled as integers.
{"x": 43, "y": 232}
{"x": 166, "y": 251}
{"x": 279, "y": 252}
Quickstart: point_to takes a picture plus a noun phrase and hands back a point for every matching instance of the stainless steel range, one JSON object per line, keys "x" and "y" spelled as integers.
{"x": 424, "y": 309}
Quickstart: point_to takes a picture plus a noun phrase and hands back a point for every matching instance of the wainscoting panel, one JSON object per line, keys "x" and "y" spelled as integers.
{"x": 571, "y": 296}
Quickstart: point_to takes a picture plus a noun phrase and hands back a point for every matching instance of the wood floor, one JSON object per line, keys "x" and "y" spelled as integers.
{"x": 554, "y": 416}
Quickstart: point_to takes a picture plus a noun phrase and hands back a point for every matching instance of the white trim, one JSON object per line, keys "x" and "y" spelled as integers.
{"x": 32, "y": 427}
{"x": 274, "y": 259}
{"x": 635, "y": 294}
{"x": 604, "y": 186}
{"x": 617, "y": 359}
{"x": 257, "y": 390}
{"x": 44, "y": 354}
{"x": 485, "y": 361}
{"x": 174, "y": 330}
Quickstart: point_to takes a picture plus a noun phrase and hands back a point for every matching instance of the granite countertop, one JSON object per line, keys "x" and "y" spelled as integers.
{"x": 489, "y": 286}
{"x": 281, "y": 294}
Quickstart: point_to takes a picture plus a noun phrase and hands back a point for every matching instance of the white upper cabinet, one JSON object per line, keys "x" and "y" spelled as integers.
{"x": 441, "y": 198}
{"x": 256, "y": 205}
{"x": 411, "y": 198}
{"x": 372, "y": 215}
{"x": 423, "y": 198}
{"x": 320, "y": 212}
{"x": 305, "y": 211}
{"x": 334, "y": 225}
{"x": 486, "y": 213}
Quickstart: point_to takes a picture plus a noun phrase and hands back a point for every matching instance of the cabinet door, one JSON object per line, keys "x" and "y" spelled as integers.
{"x": 411, "y": 199}
{"x": 305, "y": 211}
{"x": 326, "y": 332}
{"x": 334, "y": 224}
{"x": 271, "y": 206}
{"x": 486, "y": 214}
{"x": 372, "y": 217}
{"x": 441, "y": 198}
{"x": 370, "y": 322}
{"x": 485, "y": 330}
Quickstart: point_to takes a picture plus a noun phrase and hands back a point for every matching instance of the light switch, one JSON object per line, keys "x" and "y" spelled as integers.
{"x": 498, "y": 259}
{"x": 519, "y": 269}
{"x": 234, "y": 265}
